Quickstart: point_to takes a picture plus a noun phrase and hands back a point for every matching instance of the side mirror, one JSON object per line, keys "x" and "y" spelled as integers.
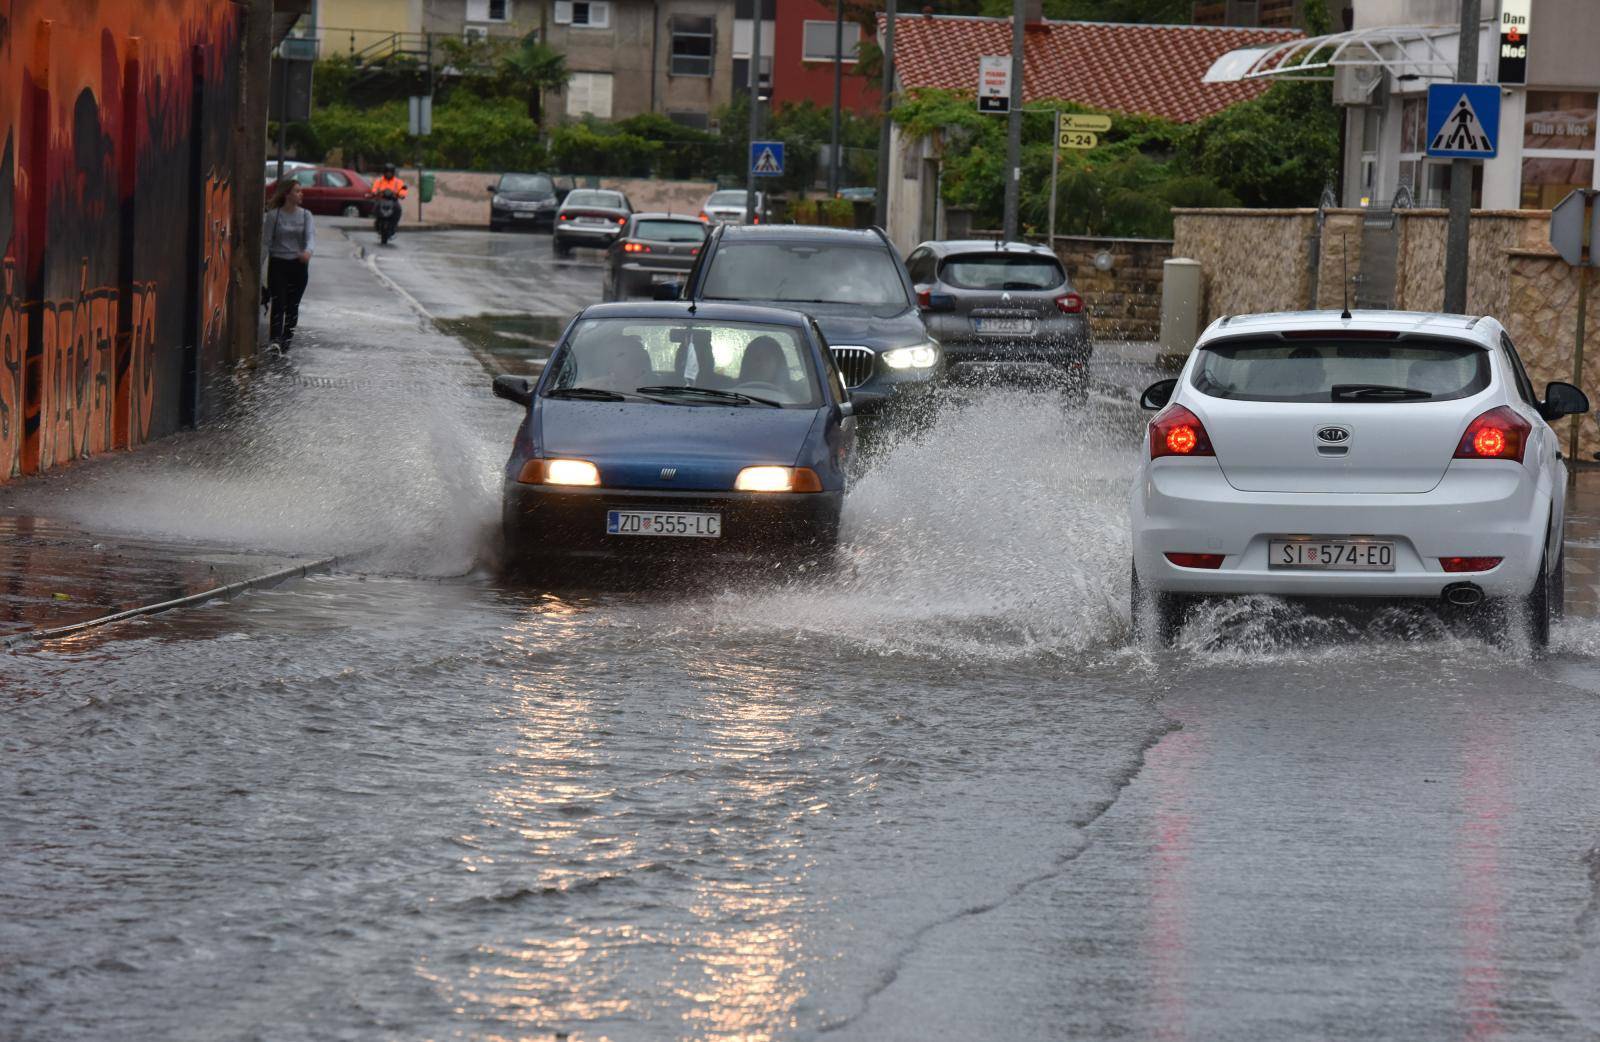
{"x": 514, "y": 389}
{"x": 1563, "y": 399}
{"x": 1158, "y": 394}
{"x": 666, "y": 291}
{"x": 492, "y": 188}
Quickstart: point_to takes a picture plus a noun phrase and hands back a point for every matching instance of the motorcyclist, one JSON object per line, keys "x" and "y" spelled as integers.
{"x": 388, "y": 183}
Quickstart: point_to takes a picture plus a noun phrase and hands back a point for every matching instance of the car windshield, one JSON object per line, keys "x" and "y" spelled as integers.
{"x": 730, "y": 198}
{"x": 526, "y": 183}
{"x": 1000, "y": 272}
{"x": 613, "y": 200}
{"x": 819, "y": 273}
{"x": 670, "y": 231}
{"x": 1318, "y": 370}
{"x": 724, "y": 359}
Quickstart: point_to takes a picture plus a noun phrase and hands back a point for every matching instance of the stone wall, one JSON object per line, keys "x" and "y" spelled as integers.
{"x": 1124, "y": 301}
{"x": 1250, "y": 260}
{"x": 1339, "y": 258}
{"x": 462, "y": 196}
{"x": 1419, "y": 274}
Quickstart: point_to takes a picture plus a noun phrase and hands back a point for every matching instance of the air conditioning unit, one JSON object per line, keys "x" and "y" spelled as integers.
{"x": 1357, "y": 84}
{"x": 475, "y": 33}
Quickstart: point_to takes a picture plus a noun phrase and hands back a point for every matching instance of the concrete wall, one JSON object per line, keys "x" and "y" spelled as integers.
{"x": 1124, "y": 302}
{"x": 119, "y": 220}
{"x": 462, "y": 197}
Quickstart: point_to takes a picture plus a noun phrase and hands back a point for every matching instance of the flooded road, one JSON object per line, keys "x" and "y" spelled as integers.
{"x": 935, "y": 796}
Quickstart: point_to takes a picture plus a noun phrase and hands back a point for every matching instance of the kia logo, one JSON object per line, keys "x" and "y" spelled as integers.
{"x": 1333, "y": 435}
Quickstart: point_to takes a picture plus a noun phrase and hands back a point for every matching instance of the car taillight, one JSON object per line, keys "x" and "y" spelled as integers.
{"x": 622, "y": 220}
{"x": 924, "y": 298}
{"x": 564, "y": 217}
{"x": 695, "y": 252}
{"x": 635, "y": 247}
{"x": 1469, "y": 564}
{"x": 1195, "y": 560}
{"x": 1178, "y": 432}
{"x": 1498, "y": 434}
{"x": 705, "y": 217}
{"x": 1070, "y": 303}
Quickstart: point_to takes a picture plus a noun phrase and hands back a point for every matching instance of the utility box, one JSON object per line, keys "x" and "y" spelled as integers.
{"x": 425, "y": 188}
{"x": 1181, "y": 304}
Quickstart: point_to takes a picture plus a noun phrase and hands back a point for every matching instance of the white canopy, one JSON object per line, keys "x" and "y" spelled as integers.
{"x": 1405, "y": 51}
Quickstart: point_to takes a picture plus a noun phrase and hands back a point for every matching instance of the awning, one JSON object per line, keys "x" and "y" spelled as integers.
{"x": 1404, "y": 51}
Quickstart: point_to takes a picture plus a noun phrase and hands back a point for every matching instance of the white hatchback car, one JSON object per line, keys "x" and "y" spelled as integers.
{"x": 1389, "y": 454}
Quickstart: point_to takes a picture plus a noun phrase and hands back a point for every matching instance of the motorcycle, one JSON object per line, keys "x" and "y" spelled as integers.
{"x": 386, "y": 215}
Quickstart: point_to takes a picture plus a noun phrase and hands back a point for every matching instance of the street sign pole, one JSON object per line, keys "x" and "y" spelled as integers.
{"x": 755, "y": 108}
{"x": 882, "y": 214}
{"x": 1575, "y": 234}
{"x": 1014, "y": 118}
{"x": 1055, "y": 170}
{"x": 1577, "y": 351}
{"x": 1459, "y": 233}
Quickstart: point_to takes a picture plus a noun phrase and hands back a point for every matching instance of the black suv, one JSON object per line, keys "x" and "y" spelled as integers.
{"x": 851, "y": 282}
{"x": 526, "y": 199}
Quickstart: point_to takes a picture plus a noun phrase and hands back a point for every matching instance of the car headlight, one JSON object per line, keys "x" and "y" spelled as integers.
{"x": 559, "y": 472}
{"x": 917, "y": 356}
{"x": 777, "y": 479}
{"x": 500, "y": 200}
{"x": 545, "y": 204}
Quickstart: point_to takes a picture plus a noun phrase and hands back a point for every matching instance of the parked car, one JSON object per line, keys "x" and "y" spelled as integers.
{"x": 653, "y": 248}
{"x": 852, "y": 282}
{"x": 289, "y": 167}
{"x": 729, "y": 205}
{"x": 1003, "y": 310}
{"x": 681, "y": 431}
{"x": 526, "y": 199}
{"x": 857, "y": 195}
{"x": 331, "y": 190}
{"x": 589, "y": 217}
{"x": 1380, "y": 455}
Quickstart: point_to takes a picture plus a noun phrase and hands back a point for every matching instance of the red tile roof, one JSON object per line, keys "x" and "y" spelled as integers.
{"x": 1153, "y": 69}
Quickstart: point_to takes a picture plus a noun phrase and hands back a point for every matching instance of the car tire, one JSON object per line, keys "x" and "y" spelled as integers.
{"x": 496, "y": 226}
{"x": 1558, "y": 585}
{"x": 351, "y": 210}
{"x": 1160, "y": 613}
{"x": 559, "y": 248}
{"x": 1537, "y": 605}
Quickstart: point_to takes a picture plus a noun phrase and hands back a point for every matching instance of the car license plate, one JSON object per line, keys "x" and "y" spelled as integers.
{"x": 664, "y": 276}
{"x": 663, "y": 523}
{"x": 1003, "y": 325}
{"x": 523, "y": 213}
{"x": 593, "y": 220}
{"x": 1332, "y": 555}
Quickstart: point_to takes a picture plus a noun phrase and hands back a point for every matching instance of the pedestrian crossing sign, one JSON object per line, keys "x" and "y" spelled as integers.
{"x": 1463, "y": 120}
{"x": 766, "y": 158}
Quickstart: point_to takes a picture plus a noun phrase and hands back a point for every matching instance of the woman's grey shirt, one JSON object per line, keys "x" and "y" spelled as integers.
{"x": 288, "y": 235}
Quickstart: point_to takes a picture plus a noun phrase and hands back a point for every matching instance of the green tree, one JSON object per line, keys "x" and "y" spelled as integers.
{"x": 532, "y": 68}
{"x": 1275, "y": 150}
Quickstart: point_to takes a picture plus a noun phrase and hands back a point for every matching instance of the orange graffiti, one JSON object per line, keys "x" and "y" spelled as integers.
{"x": 216, "y": 272}
{"x": 142, "y": 368}
{"x": 13, "y": 342}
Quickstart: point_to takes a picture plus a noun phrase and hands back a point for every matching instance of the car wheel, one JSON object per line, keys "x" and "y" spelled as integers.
{"x": 1160, "y": 613}
{"x": 1537, "y": 606}
{"x": 351, "y": 210}
{"x": 559, "y": 248}
{"x": 496, "y": 226}
{"x": 1558, "y": 586}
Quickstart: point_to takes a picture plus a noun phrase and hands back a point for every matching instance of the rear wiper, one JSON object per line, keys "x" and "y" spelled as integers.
{"x": 709, "y": 392}
{"x": 1356, "y": 392}
{"x": 595, "y": 394}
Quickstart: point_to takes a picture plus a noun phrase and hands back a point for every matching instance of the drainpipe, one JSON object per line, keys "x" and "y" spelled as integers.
{"x": 655, "y": 49}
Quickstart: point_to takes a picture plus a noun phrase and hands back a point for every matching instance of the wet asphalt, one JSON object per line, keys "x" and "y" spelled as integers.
{"x": 935, "y": 795}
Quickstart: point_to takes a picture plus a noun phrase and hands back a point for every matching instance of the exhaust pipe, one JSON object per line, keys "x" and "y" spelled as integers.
{"x": 1463, "y": 595}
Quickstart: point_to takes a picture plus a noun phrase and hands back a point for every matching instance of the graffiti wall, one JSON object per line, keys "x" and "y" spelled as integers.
{"x": 116, "y": 220}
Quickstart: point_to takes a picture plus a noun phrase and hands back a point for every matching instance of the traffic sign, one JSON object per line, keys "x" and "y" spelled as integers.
{"x": 994, "y": 83}
{"x": 1078, "y": 139}
{"x": 1569, "y": 220}
{"x": 1081, "y": 121}
{"x": 1463, "y": 120}
{"x": 766, "y": 158}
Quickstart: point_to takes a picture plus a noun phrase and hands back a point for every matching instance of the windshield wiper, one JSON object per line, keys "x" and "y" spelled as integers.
{"x": 709, "y": 392}
{"x": 594, "y": 394}
{"x": 1382, "y": 392}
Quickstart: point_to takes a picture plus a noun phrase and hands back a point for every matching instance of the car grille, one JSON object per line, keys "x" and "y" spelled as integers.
{"x": 855, "y": 364}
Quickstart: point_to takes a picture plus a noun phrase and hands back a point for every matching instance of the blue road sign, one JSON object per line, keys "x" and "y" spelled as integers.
{"x": 766, "y": 158}
{"x": 1463, "y": 120}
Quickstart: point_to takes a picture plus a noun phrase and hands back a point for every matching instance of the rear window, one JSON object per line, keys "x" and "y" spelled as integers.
{"x": 728, "y": 198}
{"x": 1001, "y": 272}
{"x": 1341, "y": 370}
{"x": 670, "y": 231}
{"x": 585, "y": 198}
{"x": 805, "y": 272}
{"x": 526, "y": 183}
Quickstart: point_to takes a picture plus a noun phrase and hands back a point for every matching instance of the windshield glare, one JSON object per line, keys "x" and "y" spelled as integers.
{"x": 625, "y": 354}
{"x": 828, "y": 274}
{"x": 1309, "y": 370}
{"x": 526, "y": 183}
{"x": 610, "y": 199}
{"x": 998, "y": 272}
{"x": 670, "y": 231}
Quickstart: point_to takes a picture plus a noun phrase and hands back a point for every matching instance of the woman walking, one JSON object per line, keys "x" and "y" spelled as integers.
{"x": 290, "y": 238}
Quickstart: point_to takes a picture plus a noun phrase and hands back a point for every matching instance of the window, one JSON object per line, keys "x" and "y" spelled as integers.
{"x": 1524, "y": 385}
{"x": 664, "y": 230}
{"x": 335, "y": 179}
{"x": 818, "y": 41}
{"x": 994, "y": 271}
{"x": 589, "y": 94}
{"x": 825, "y": 274}
{"x": 1558, "y": 146}
{"x": 693, "y": 44}
{"x": 1337, "y": 370}
{"x": 305, "y": 177}
{"x": 697, "y": 120}
{"x": 587, "y": 14}
{"x": 488, "y": 10}
{"x": 920, "y": 266}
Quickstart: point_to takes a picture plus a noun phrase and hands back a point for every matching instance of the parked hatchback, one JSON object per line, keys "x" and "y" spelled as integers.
{"x": 331, "y": 190}
{"x": 1381, "y": 455}
{"x": 1003, "y": 309}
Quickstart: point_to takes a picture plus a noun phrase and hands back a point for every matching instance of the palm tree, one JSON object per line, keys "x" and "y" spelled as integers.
{"x": 532, "y": 68}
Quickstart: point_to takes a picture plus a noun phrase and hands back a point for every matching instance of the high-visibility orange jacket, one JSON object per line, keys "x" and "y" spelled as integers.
{"x": 389, "y": 184}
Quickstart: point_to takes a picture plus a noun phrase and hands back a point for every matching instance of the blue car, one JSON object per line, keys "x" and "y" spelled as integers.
{"x": 680, "y": 430}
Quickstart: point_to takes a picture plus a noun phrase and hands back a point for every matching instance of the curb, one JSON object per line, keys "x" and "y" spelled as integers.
{"x": 270, "y": 579}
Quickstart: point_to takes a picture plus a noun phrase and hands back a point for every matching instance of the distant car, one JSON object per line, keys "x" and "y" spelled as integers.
{"x": 681, "y": 431}
{"x": 289, "y": 167}
{"x": 858, "y": 195}
{"x": 729, "y": 206}
{"x": 1003, "y": 309}
{"x": 589, "y": 217}
{"x": 526, "y": 199}
{"x": 1380, "y": 455}
{"x": 851, "y": 282}
{"x": 331, "y": 190}
{"x": 653, "y": 248}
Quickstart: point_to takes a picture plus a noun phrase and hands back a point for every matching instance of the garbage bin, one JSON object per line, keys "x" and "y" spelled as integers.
{"x": 426, "y": 188}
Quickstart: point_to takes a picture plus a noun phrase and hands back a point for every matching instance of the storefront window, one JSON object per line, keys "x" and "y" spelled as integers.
{"x": 1558, "y": 146}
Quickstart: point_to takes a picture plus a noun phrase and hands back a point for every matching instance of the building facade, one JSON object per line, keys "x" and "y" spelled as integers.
{"x": 802, "y": 68}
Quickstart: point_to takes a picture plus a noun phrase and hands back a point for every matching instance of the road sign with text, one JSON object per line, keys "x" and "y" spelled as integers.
{"x": 994, "y": 83}
{"x": 1078, "y": 139}
{"x": 1084, "y": 121}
